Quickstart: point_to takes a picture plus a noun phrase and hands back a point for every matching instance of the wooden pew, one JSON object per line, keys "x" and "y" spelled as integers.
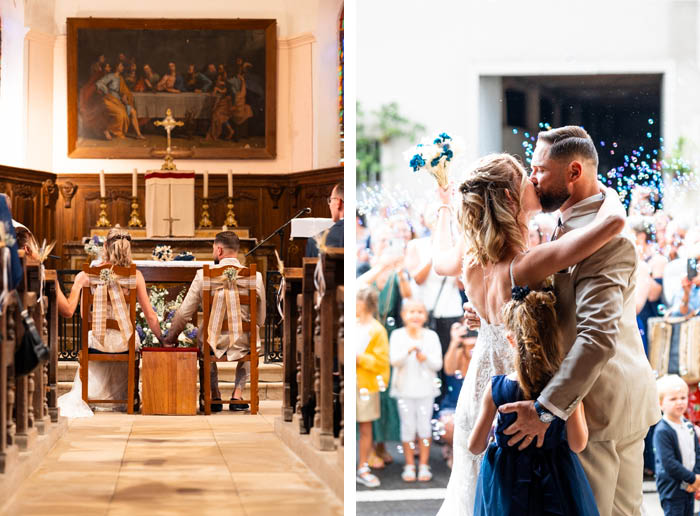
{"x": 26, "y": 401}
{"x": 340, "y": 300}
{"x": 325, "y": 359}
{"x": 303, "y": 411}
{"x": 293, "y": 278}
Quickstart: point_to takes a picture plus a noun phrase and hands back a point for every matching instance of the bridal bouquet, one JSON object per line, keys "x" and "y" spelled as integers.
{"x": 165, "y": 311}
{"x": 433, "y": 157}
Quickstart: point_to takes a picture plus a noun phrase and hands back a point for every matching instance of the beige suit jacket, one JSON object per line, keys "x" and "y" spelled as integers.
{"x": 193, "y": 299}
{"x": 605, "y": 365}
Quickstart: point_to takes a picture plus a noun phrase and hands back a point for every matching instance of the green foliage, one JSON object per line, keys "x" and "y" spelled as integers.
{"x": 375, "y": 129}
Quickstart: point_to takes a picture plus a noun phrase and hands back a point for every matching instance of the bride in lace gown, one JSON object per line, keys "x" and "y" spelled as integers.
{"x": 497, "y": 202}
{"x": 106, "y": 380}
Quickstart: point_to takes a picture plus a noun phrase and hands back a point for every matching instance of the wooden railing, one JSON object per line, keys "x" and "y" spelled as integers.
{"x": 27, "y": 402}
{"x": 313, "y": 344}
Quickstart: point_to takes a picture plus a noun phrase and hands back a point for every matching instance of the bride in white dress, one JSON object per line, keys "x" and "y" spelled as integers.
{"x": 497, "y": 202}
{"x": 106, "y": 380}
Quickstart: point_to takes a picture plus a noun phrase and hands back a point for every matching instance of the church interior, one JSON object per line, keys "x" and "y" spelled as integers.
{"x": 161, "y": 126}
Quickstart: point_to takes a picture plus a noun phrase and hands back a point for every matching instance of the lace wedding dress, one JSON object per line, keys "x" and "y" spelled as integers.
{"x": 106, "y": 380}
{"x": 492, "y": 356}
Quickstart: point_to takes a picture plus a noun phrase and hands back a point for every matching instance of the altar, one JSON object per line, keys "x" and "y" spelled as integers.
{"x": 200, "y": 246}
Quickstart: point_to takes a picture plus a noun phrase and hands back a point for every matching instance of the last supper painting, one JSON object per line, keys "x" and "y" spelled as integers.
{"x": 218, "y": 78}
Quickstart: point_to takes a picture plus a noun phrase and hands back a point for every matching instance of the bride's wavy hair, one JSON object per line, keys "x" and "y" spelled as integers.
{"x": 118, "y": 247}
{"x": 488, "y": 216}
{"x": 533, "y": 323}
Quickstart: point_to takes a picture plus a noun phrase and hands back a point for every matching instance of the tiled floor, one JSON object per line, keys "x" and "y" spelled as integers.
{"x": 114, "y": 464}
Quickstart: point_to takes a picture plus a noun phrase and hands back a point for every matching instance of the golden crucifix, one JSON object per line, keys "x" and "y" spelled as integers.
{"x": 169, "y": 123}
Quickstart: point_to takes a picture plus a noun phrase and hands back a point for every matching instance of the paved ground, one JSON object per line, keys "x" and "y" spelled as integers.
{"x": 395, "y": 497}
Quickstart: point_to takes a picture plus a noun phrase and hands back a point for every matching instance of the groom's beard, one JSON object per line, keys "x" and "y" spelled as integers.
{"x": 553, "y": 199}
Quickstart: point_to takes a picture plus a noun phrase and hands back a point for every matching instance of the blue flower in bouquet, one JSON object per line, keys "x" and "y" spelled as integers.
{"x": 141, "y": 333}
{"x": 435, "y": 161}
{"x": 417, "y": 162}
{"x": 445, "y": 137}
{"x": 192, "y": 334}
{"x": 448, "y": 153}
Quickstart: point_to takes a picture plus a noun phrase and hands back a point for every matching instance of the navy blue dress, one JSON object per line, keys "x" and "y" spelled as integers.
{"x": 535, "y": 481}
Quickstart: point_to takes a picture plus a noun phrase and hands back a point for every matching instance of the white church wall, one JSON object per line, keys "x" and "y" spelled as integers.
{"x": 432, "y": 67}
{"x": 306, "y": 85}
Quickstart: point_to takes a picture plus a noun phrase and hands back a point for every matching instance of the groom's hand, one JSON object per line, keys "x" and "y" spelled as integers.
{"x": 527, "y": 426}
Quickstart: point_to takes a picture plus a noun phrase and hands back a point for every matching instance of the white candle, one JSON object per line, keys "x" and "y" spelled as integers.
{"x": 230, "y": 183}
{"x": 206, "y": 184}
{"x": 134, "y": 181}
{"x": 102, "y": 184}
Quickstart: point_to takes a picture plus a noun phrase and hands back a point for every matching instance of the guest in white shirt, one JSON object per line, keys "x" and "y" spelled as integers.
{"x": 416, "y": 356}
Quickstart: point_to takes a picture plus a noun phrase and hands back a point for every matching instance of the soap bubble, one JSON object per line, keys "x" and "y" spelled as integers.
{"x": 364, "y": 394}
{"x": 412, "y": 445}
{"x": 661, "y": 309}
{"x": 399, "y": 449}
{"x": 426, "y": 442}
{"x": 380, "y": 383}
{"x": 437, "y": 382}
{"x": 458, "y": 374}
{"x": 390, "y": 321}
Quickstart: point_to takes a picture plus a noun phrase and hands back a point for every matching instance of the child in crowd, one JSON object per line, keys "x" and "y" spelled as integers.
{"x": 416, "y": 356}
{"x": 372, "y": 375}
{"x": 676, "y": 449}
{"x": 531, "y": 481}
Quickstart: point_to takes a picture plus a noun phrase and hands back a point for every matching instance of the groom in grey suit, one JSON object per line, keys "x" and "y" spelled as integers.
{"x": 604, "y": 364}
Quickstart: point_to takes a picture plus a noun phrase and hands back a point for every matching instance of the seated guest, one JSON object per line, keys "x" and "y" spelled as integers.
{"x": 107, "y": 380}
{"x": 335, "y": 236}
{"x": 225, "y": 252}
{"x": 15, "y": 224}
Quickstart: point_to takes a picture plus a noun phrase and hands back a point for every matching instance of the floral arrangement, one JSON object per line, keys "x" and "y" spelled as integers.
{"x": 165, "y": 311}
{"x": 162, "y": 253}
{"x": 107, "y": 276}
{"x": 184, "y": 257}
{"x": 433, "y": 157}
{"x": 93, "y": 247}
{"x": 231, "y": 274}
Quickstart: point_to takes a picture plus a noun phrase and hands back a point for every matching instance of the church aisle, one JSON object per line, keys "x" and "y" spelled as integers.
{"x": 116, "y": 464}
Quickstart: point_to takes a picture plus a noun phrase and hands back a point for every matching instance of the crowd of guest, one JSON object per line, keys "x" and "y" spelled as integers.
{"x": 106, "y": 101}
{"x": 394, "y": 251}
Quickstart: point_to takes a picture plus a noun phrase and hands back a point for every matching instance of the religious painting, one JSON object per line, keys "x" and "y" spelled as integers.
{"x": 218, "y": 78}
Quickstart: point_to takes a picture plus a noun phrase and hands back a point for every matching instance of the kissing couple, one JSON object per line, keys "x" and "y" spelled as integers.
{"x": 559, "y": 357}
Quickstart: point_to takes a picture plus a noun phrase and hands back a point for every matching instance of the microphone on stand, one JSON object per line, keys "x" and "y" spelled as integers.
{"x": 280, "y": 229}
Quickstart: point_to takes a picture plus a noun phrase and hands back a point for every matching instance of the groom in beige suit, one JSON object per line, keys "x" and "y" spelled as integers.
{"x": 605, "y": 365}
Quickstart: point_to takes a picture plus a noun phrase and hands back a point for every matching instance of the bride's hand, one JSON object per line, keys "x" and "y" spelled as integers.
{"x": 445, "y": 194}
{"x": 611, "y": 204}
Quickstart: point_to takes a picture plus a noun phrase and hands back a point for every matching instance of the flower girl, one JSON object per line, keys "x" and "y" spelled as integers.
{"x": 534, "y": 481}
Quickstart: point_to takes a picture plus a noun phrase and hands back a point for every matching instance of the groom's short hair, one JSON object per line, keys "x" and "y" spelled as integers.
{"x": 569, "y": 142}
{"x": 228, "y": 240}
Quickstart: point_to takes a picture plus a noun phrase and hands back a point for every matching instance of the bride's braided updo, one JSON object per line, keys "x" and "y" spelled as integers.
{"x": 118, "y": 247}
{"x": 488, "y": 216}
{"x": 533, "y": 323}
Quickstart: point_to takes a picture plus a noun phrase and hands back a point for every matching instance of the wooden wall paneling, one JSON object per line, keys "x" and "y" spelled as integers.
{"x": 261, "y": 202}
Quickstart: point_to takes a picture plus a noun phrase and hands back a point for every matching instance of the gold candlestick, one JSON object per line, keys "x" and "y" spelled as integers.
{"x": 102, "y": 221}
{"x": 134, "y": 219}
{"x": 230, "y": 217}
{"x": 205, "y": 221}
